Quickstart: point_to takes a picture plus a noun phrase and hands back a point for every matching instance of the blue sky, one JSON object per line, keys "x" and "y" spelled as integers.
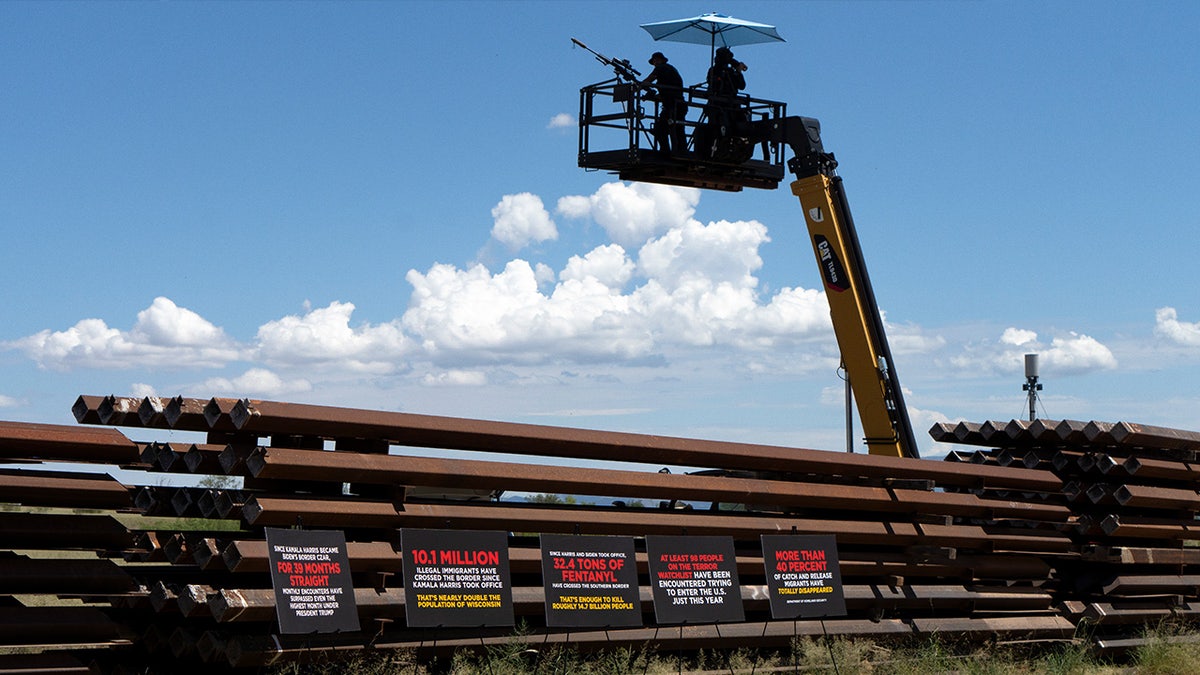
{"x": 377, "y": 205}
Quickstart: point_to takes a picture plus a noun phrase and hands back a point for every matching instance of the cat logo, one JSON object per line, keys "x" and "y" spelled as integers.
{"x": 816, "y": 215}
{"x": 831, "y": 268}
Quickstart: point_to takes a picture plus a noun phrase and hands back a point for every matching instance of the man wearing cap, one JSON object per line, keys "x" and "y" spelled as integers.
{"x": 669, "y": 130}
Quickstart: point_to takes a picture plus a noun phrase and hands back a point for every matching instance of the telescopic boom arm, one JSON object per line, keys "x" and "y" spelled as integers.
{"x": 856, "y": 319}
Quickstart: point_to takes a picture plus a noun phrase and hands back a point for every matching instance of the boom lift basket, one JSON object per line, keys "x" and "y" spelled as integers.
{"x": 732, "y": 143}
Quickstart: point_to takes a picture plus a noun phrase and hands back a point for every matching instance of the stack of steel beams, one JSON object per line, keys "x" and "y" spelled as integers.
{"x": 1031, "y": 530}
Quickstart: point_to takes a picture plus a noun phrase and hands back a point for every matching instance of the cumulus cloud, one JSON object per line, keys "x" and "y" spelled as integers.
{"x": 7, "y": 401}
{"x": 455, "y": 378}
{"x": 256, "y": 382}
{"x": 1017, "y": 337}
{"x": 324, "y": 337}
{"x": 473, "y": 313}
{"x": 1075, "y": 353}
{"x": 1167, "y": 325}
{"x": 606, "y": 264}
{"x": 632, "y": 214}
{"x": 675, "y": 284}
{"x": 561, "y": 121}
{"x": 164, "y": 336}
{"x": 693, "y": 286}
{"x": 1071, "y": 353}
{"x": 520, "y": 220}
{"x": 912, "y": 339}
{"x": 142, "y": 390}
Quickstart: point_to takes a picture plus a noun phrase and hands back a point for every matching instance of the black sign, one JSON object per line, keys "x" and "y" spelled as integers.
{"x": 590, "y": 581}
{"x": 694, "y": 579}
{"x": 310, "y": 573}
{"x": 456, "y": 578}
{"x": 803, "y": 579}
{"x": 832, "y": 269}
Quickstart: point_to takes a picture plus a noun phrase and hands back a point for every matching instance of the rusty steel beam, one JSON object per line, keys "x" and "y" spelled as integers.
{"x": 87, "y": 409}
{"x": 1148, "y": 497}
{"x": 970, "y": 433}
{"x": 315, "y": 512}
{"x": 192, "y": 600}
{"x": 218, "y": 414}
{"x": 1157, "y": 584}
{"x": 187, "y": 414}
{"x": 59, "y": 626}
{"x": 63, "y": 531}
{"x": 1044, "y": 430}
{"x": 1146, "y": 613}
{"x": 151, "y": 412}
{"x": 266, "y": 418}
{"x": 1147, "y": 436}
{"x": 120, "y": 411}
{"x": 204, "y": 458}
{"x": 54, "y": 488}
{"x": 1134, "y": 555}
{"x": 1099, "y": 433}
{"x": 1041, "y": 627}
{"x": 1161, "y": 469}
{"x": 942, "y": 432}
{"x": 63, "y": 576}
{"x": 22, "y": 440}
{"x": 1120, "y": 526}
{"x": 44, "y": 663}
{"x": 275, "y": 463}
{"x": 1072, "y": 432}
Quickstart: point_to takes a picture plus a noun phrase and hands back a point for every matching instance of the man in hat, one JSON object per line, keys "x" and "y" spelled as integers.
{"x": 669, "y": 130}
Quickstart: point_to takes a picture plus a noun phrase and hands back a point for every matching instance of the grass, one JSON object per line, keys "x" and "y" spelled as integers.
{"x": 1170, "y": 650}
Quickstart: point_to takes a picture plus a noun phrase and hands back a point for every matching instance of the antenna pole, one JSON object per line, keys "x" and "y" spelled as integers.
{"x": 1031, "y": 383}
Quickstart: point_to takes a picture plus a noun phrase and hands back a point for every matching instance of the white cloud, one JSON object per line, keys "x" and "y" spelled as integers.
{"x": 505, "y": 317}
{"x": 721, "y": 252}
{"x": 1167, "y": 325}
{"x": 167, "y": 324}
{"x": 561, "y": 121}
{"x": 256, "y": 382}
{"x": 164, "y": 336}
{"x": 1071, "y": 353}
{"x": 632, "y": 214}
{"x": 1018, "y": 337}
{"x": 911, "y": 339}
{"x": 697, "y": 288}
{"x": 521, "y": 219}
{"x": 1077, "y": 353}
{"x": 142, "y": 390}
{"x": 455, "y": 378}
{"x": 7, "y": 401}
{"x": 690, "y": 285}
{"x": 325, "y": 337}
{"x": 606, "y": 264}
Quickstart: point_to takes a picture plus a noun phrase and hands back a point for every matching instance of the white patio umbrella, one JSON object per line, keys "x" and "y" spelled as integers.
{"x": 714, "y": 30}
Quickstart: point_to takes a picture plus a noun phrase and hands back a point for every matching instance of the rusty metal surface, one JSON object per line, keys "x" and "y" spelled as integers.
{"x": 23, "y": 574}
{"x": 20, "y": 440}
{"x": 1000, "y": 550}
{"x": 63, "y": 531}
{"x": 267, "y": 418}
{"x": 62, "y": 488}
{"x": 283, "y": 511}
{"x": 386, "y": 469}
